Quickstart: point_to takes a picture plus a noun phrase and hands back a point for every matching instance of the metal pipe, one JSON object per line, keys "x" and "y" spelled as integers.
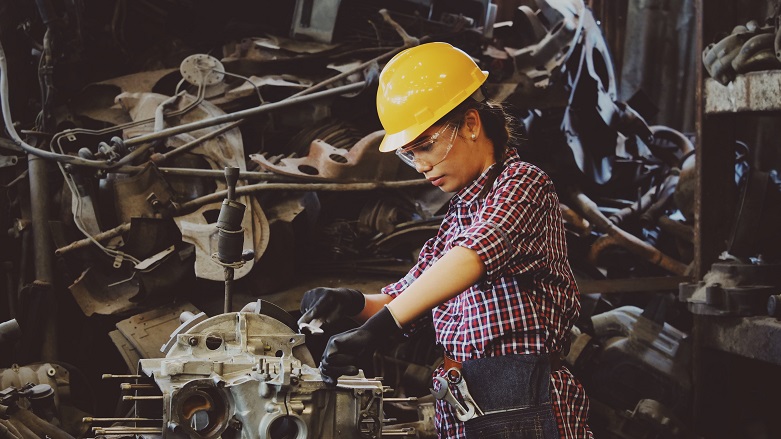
{"x": 106, "y": 376}
{"x": 159, "y": 158}
{"x": 230, "y": 117}
{"x": 131, "y": 386}
{"x": 42, "y": 249}
{"x": 142, "y": 398}
{"x": 357, "y": 68}
{"x": 213, "y": 173}
{"x": 617, "y": 236}
{"x": 108, "y": 234}
{"x": 89, "y": 419}
{"x": 261, "y": 187}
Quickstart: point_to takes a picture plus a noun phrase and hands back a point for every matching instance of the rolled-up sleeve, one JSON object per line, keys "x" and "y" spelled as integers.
{"x": 510, "y": 226}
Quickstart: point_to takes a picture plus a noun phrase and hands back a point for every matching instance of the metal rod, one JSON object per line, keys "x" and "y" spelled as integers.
{"x": 230, "y": 117}
{"x": 409, "y": 399}
{"x": 228, "y": 304}
{"x": 357, "y": 68}
{"x": 193, "y": 143}
{"x": 141, "y": 397}
{"x": 128, "y": 431}
{"x": 231, "y": 178}
{"x": 131, "y": 386}
{"x": 261, "y": 187}
{"x": 408, "y": 431}
{"x": 108, "y": 376}
{"x": 91, "y": 419}
{"x": 108, "y": 234}
{"x": 213, "y": 173}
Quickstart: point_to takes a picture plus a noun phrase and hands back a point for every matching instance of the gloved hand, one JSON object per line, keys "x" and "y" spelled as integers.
{"x": 329, "y": 304}
{"x": 343, "y": 350}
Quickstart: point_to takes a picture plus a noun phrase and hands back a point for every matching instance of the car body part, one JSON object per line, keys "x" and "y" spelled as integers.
{"x": 362, "y": 162}
{"x": 638, "y": 359}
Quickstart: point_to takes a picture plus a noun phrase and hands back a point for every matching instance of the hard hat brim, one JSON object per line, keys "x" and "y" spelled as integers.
{"x": 393, "y": 141}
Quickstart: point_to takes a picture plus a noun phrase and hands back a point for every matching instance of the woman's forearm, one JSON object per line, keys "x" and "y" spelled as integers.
{"x": 451, "y": 275}
{"x": 374, "y": 303}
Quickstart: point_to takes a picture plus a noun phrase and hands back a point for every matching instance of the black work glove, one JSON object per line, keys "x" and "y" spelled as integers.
{"x": 329, "y": 304}
{"x": 343, "y": 350}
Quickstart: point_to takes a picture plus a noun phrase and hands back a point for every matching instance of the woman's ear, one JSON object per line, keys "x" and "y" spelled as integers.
{"x": 473, "y": 123}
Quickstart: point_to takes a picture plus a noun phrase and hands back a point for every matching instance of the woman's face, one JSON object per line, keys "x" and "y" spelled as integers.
{"x": 447, "y": 157}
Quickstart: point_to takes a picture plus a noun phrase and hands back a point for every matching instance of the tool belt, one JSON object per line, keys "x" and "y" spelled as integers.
{"x": 554, "y": 359}
{"x": 505, "y": 382}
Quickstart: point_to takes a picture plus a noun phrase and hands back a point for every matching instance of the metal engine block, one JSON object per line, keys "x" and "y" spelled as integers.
{"x": 248, "y": 375}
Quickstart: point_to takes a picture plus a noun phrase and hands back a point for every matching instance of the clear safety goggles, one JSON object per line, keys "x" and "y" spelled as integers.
{"x": 431, "y": 150}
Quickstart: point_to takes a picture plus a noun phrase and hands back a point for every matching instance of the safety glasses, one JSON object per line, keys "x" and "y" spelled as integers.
{"x": 432, "y": 150}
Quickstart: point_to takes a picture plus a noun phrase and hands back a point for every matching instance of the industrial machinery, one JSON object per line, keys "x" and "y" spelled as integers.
{"x": 247, "y": 375}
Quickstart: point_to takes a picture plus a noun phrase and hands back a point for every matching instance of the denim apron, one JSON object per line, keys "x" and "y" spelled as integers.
{"x": 513, "y": 392}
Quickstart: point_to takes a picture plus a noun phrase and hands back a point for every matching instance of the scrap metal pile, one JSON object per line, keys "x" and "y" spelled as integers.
{"x": 127, "y": 115}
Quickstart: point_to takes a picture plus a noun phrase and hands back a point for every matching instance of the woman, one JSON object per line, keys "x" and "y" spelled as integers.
{"x": 495, "y": 277}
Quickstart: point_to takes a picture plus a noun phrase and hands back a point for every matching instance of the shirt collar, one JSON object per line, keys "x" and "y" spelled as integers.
{"x": 470, "y": 193}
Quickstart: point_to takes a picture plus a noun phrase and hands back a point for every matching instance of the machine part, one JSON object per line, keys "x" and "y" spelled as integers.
{"x": 252, "y": 374}
{"x": 148, "y": 332}
{"x": 616, "y": 236}
{"x": 649, "y": 419}
{"x": 231, "y": 236}
{"x": 202, "y": 70}
{"x": 197, "y": 230}
{"x": 132, "y": 195}
{"x": 315, "y": 20}
{"x": 103, "y": 293}
{"x": 755, "y": 228}
{"x": 10, "y": 332}
{"x": 362, "y": 162}
{"x": 8, "y": 160}
{"x": 53, "y": 375}
{"x": 639, "y": 359}
{"x": 739, "y": 52}
{"x": 551, "y": 34}
{"x": 220, "y": 152}
{"x": 164, "y": 261}
{"x": 756, "y": 54}
{"x": 733, "y": 289}
{"x": 21, "y": 423}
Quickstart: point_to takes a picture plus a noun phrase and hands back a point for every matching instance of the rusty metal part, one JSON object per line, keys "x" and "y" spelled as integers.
{"x": 746, "y": 59}
{"x": 362, "y": 162}
{"x": 230, "y": 117}
{"x": 614, "y": 235}
{"x": 676, "y": 228}
{"x": 220, "y": 151}
{"x": 86, "y": 242}
{"x": 409, "y": 40}
{"x": 150, "y": 330}
{"x": 263, "y": 187}
{"x": 719, "y": 58}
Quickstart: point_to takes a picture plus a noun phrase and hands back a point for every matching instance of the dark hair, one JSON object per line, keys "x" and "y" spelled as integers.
{"x": 499, "y": 125}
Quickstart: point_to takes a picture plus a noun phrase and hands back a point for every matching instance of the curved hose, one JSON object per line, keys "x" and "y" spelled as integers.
{"x": 9, "y": 126}
{"x": 618, "y": 236}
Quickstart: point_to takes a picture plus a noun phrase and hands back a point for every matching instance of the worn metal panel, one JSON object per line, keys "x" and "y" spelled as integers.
{"x": 750, "y": 337}
{"x": 754, "y": 91}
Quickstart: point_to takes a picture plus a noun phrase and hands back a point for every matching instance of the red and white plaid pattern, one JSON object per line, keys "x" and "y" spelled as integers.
{"x": 527, "y": 301}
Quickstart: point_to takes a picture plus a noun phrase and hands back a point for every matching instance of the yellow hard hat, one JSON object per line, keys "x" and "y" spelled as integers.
{"x": 420, "y": 85}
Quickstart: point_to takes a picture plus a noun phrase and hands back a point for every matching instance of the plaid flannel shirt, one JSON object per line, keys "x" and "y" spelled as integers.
{"x": 528, "y": 300}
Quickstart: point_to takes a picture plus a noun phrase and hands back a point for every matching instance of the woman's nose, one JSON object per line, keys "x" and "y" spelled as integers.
{"x": 422, "y": 166}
